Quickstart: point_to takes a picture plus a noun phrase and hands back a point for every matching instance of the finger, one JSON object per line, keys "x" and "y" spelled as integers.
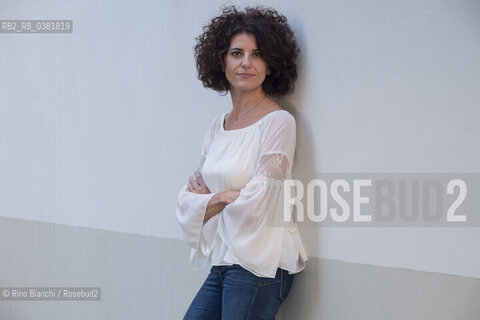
{"x": 192, "y": 183}
{"x": 189, "y": 186}
{"x": 199, "y": 178}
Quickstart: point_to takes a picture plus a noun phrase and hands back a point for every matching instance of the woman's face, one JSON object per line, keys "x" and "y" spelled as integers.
{"x": 245, "y": 68}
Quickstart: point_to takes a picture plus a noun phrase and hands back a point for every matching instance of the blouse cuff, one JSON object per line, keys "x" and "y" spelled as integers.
{"x": 190, "y": 209}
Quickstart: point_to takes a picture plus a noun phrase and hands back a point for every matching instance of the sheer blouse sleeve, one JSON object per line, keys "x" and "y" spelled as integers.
{"x": 190, "y": 207}
{"x": 244, "y": 224}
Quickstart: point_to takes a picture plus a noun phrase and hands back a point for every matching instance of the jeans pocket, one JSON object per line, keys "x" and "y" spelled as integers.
{"x": 263, "y": 281}
{"x": 268, "y": 281}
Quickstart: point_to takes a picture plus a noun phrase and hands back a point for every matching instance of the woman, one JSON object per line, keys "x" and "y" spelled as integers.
{"x": 225, "y": 208}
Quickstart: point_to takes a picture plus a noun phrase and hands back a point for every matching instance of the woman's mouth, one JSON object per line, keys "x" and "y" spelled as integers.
{"x": 245, "y": 75}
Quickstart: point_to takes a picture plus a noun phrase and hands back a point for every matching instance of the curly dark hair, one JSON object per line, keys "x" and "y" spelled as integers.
{"x": 275, "y": 41}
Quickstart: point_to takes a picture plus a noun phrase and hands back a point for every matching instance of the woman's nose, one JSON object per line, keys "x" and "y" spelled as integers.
{"x": 246, "y": 60}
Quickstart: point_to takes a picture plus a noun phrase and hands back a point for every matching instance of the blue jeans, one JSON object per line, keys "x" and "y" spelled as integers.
{"x": 233, "y": 293}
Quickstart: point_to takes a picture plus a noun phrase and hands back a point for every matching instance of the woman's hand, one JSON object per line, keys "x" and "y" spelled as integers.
{"x": 230, "y": 195}
{"x": 197, "y": 185}
{"x": 219, "y": 201}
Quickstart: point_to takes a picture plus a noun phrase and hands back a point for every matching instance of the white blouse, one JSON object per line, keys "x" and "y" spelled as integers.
{"x": 254, "y": 159}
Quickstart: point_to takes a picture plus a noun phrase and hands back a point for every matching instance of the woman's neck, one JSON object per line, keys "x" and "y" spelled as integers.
{"x": 243, "y": 101}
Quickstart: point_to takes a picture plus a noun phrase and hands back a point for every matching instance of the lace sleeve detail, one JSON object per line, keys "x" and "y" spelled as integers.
{"x": 273, "y": 166}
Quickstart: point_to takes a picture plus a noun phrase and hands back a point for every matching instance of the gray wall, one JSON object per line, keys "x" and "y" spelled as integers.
{"x": 99, "y": 129}
{"x": 147, "y": 278}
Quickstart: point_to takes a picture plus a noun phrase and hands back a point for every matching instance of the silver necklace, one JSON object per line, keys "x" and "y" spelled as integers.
{"x": 236, "y": 118}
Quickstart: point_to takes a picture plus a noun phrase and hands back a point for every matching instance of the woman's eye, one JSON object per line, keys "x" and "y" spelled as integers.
{"x": 238, "y": 53}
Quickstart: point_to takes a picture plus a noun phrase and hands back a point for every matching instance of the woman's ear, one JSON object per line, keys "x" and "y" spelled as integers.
{"x": 268, "y": 71}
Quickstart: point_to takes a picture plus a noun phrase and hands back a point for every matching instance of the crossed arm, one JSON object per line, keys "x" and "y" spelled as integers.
{"x": 218, "y": 201}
